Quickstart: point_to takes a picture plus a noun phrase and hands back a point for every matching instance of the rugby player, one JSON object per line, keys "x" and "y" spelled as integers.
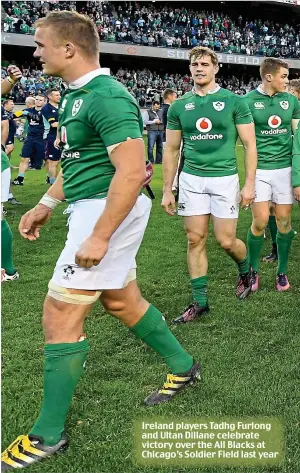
{"x": 296, "y": 164}
{"x": 53, "y": 154}
{"x": 34, "y": 144}
{"x": 209, "y": 119}
{"x": 276, "y": 114}
{"x": 103, "y": 169}
{"x": 295, "y": 88}
{"x": 8, "y": 270}
{"x": 8, "y": 106}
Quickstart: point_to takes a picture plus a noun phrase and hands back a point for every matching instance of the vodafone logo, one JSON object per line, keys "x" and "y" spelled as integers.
{"x": 131, "y": 50}
{"x": 204, "y": 125}
{"x": 274, "y": 121}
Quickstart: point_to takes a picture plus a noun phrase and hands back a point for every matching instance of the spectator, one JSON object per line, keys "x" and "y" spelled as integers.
{"x": 155, "y": 129}
{"x": 158, "y": 25}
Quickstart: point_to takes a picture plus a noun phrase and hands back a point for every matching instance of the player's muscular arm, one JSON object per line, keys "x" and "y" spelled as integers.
{"x": 170, "y": 163}
{"x": 247, "y": 136}
{"x": 56, "y": 190}
{"x": 129, "y": 160}
{"x": 170, "y": 159}
{"x": 57, "y": 139}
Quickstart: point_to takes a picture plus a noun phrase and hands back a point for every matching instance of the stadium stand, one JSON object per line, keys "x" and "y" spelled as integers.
{"x": 145, "y": 85}
{"x": 162, "y": 25}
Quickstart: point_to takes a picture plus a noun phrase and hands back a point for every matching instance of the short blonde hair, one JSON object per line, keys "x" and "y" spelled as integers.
{"x": 200, "y": 51}
{"x": 73, "y": 27}
{"x": 295, "y": 83}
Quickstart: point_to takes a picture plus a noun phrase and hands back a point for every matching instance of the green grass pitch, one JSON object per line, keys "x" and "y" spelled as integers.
{"x": 249, "y": 350}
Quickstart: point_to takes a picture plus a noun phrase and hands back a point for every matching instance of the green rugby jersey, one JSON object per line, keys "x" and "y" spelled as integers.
{"x": 5, "y": 164}
{"x": 91, "y": 118}
{"x": 296, "y": 158}
{"x": 273, "y": 127}
{"x": 208, "y": 126}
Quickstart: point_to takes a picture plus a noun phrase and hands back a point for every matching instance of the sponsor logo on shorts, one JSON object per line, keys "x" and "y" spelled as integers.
{"x": 76, "y": 106}
{"x": 189, "y": 106}
{"x": 232, "y": 209}
{"x": 204, "y": 125}
{"x": 181, "y": 206}
{"x": 259, "y": 105}
{"x": 219, "y": 106}
{"x": 284, "y": 104}
{"x": 68, "y": 271}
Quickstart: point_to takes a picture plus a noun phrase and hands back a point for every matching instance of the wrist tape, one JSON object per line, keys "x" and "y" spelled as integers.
{"x": 49, "y": 201}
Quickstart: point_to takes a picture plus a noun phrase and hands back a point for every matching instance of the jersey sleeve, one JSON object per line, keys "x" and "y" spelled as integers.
{"x": 242, "y": 113}
{"x": 173, "y": 122}
{"x": 49, "y": 115}
{"x": 4, "y": 115}
{"x": 296, "y": 111}
{"x": 115, "y": 119}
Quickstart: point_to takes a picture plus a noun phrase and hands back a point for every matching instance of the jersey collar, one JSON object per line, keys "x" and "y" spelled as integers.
{"x": 83, "y": 80}
{"x": 261, "y": 91}
{"x": 210, "y": 92}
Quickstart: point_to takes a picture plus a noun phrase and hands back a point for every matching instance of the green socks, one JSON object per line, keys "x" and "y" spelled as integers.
{"x": 64, "y": 365}
{"x": 153, "y": 330}
{"x": 244, "y": 265}
{"x": 284, "y": 241}
{"x": 199, "y": 290}
{"x": 255, "y": 244}
{"x": 6, "y": 248}
{"x": 273, "y": 228}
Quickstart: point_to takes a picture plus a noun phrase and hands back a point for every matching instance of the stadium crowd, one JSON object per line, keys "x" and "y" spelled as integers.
{"x": 33, "y": 81}
{"x": 145, "y": 85}
{"x": 161, "y": 25}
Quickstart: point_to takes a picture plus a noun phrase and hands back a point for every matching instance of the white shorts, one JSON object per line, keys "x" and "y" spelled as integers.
{"x": 113, "y": 270}
{"x": 274, "y": 185}
{"x": 5, "y": 183}
{"x": 218, "y": 196}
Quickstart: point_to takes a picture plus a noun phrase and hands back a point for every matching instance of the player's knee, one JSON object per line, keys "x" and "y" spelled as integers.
{"x": 196, "y": 239}
{"x": 53, "y": 311}
{"x": 25, "y": 160}
{"x": 116, "y": 307}
{"x": 283, "y": 224}
{"x": 226, "y": 242}
{"x": 260, "y": 224}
